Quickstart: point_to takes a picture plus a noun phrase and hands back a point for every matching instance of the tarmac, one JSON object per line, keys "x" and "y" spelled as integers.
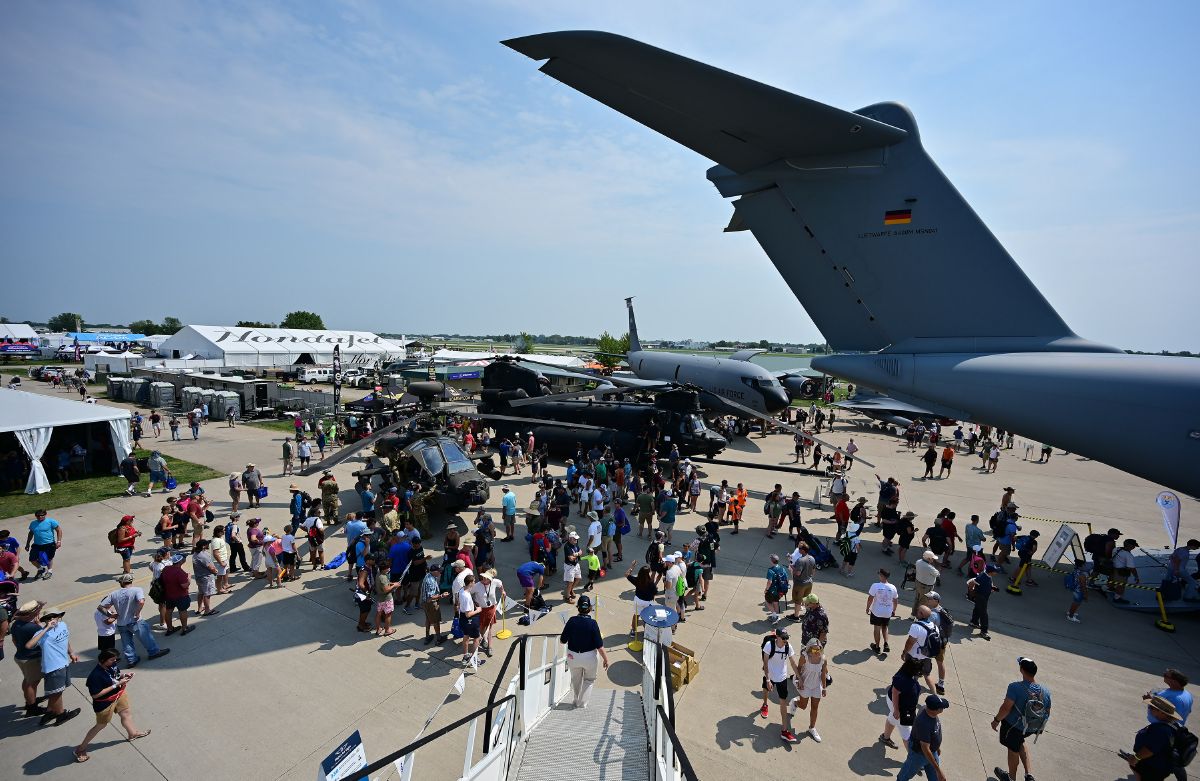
{"x": 273, "y": 683}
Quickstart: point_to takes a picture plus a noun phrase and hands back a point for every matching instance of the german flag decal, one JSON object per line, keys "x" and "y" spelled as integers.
{"x": 897, "y": 217}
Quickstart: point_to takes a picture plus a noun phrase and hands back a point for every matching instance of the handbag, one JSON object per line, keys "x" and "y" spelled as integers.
{"x": 456, "y": 629}
{"x": 262, "y": 492}
{"x": 156, "y": 591}
{"x": 171, "y": 484}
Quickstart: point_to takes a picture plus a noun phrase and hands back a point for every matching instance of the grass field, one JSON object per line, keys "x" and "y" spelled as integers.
{"x": 94, "y": 488}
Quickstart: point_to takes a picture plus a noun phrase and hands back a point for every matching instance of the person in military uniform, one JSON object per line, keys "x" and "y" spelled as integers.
{"x": 330, "y": 503}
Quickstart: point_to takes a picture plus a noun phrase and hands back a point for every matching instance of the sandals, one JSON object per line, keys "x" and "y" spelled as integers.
{"x": 140, "y": 735}
{"x": 388, "y": 633}
{"x": 81, "y": 756}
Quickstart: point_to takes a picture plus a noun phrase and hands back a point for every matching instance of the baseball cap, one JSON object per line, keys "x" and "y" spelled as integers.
{"x": 126, "y": 517}
{"x": 934, "y": 702}
{"x": 584, "y": 605}
{"x": 782, "y": 633}
{"x": 125, "y": 578}
{"x": 933, "y": 595}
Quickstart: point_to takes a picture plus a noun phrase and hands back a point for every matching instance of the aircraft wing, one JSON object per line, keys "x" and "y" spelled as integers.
{"x": 737, "y": 122}
{"x": 745, "y": 355}
{"x": 885, "y": 404}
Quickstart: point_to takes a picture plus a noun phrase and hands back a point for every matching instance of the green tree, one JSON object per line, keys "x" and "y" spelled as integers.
{"x": 304, "y": 320}
{"x": 67, "y": 321}
{"x": 525, "y": 342}
{"x": 170, "y": 325}
{"x": 144, "y": 327}
{"x": 611, "y": 348}
{"x": 253, "y": 324}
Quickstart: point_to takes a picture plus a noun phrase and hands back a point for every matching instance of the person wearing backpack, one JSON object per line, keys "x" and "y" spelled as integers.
{"x": 779, "y": 666}
{"x": 924, "y": 642}
{"x": 945, "y": 625}
{"x": 1177, "y": 694}
{"x": 1162, "y": 748}
{"x": 979, "y": 590}
{"x": 122, "y": 538}
{"x": 1024, "y": 712}
{"x": 777, "y": 587}
{"x": 1026, "y": 545}
{"x": 1076, "y": 582}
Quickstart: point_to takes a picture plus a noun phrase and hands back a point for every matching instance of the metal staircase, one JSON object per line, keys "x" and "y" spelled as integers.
{"x": 527, "y": 733}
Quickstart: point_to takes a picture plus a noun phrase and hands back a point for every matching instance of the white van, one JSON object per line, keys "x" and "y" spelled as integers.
{"x": 311, "y": 375}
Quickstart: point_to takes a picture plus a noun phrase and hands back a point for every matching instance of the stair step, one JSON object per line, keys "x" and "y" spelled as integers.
{"x": 606, "y": 741}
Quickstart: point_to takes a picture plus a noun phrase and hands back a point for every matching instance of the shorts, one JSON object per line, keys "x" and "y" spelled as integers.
{"x": 56, "y": 681}
{"x": 889, "y": 531}
{"x": 525, "y": 582}
{"x": 1077, "y": 597}
{"x": 800, "y": 591}
{"x": 286, "y": 559}
{"x": 206, "y": 586}
{"x": 469, "y": 626}
{"x": 708, "y": 572}
{"x": 222, "y": 569}
{"x": 433, "y": 612}
{"x": 571, "y": 573}
{"x": 183, "y": 603}
{"x": 903, "y": 724}
{"x": 781, "y": 687}
{"x": 851, "y": 557}
{"x": 640, "y": 605}
{"x": 811, "y": 694}
{"x": 645, "y": 519}
{"x": 1011, "y": 737}
{"x": 35, "y": 550}
{"x": 941, "y": 655}
{"x": 125, "y": 553}
{"x": 31, "y": 670}
{"x": 926, "y": 666}
{"x": 880, "y": 620}
{"x": 158, "y": 477}
{"x": 386, "y": 607}
{"x": 106, "y": 642}
{"x": 119, "y": 705}
{"x": 197, "y": 525}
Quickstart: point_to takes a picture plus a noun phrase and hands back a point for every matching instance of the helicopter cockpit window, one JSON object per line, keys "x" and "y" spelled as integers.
{"x": 433, "y": 460}
{"x": 458, "y": 460}
{"x": 694, "y": 424}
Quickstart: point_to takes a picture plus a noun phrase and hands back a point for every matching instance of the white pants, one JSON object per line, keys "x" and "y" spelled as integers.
{"x": 583, "y": 675}
{"x": 904, "y": 731}
{"x": 256, "y": 559}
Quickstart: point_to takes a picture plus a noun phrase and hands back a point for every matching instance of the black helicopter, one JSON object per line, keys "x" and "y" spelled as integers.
{"x": 518, "y": 398}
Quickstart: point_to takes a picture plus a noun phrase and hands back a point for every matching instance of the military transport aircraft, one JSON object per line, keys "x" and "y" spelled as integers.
{"x": 852, "y": 211}
{"x": 733, "y": 378}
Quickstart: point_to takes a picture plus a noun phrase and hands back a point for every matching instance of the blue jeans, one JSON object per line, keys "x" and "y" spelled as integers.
{"x": 915, "y": 763}
{"x": 142, "y": 630}
{"x": 196, "y": 431}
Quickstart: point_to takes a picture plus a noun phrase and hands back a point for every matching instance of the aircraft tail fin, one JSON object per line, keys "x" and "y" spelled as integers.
{"x": 634, "y": 343}
{"x": 850, "y": 208}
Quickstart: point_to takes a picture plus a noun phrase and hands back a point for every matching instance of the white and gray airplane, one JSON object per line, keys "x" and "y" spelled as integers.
{"x": 734, "y": 378}
{"x": 852, "y": 211}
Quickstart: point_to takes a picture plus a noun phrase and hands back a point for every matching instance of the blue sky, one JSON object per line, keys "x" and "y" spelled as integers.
{"x": 395, "y": 168}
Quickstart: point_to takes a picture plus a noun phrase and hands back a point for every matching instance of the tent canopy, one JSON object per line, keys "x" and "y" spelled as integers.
{"x": 21, "y": 410}
{"x": 17, "y": 332}
{"x": 277, "y": 346}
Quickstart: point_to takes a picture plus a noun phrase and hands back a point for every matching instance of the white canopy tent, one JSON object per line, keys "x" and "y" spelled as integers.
{"x": 112, "y": 363}
{"x": 32, "y": 418}
{"x": 278, "y": 346}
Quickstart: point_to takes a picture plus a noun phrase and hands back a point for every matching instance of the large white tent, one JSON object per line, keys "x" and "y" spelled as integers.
{"x": 32, "y": 418}
{"x": 278, "y": 346}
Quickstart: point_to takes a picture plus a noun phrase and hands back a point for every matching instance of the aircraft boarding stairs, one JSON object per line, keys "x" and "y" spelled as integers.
{"x": 530, "y": 731}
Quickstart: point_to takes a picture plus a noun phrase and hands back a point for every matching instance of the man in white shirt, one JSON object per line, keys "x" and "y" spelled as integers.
{"x": 595, "y": 530}
{"x": 468, "y": 622}
{"x": 671, "y": 578}
{"x": 461, "y": 573}
{"x": 851, "y": 449}
{"x": 882, "y": 598}
{"x": 914, "y": 646}
{"x": 488, "y": 594}
{"x": 586, "y": 484}
{"x": 926, "y": 578}
{"x": 837, "y": 489}
{"x": 1124, "y": 567}
{"x": 779, "y": 665}
{"x": 598, "y": 499}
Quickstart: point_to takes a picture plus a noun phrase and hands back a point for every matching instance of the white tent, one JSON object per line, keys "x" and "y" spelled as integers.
{"x": 278, "y": 346}
{"x": 18, "y": 332}
{"x": 112, "y": 363}
{"x": 32, "y": 417}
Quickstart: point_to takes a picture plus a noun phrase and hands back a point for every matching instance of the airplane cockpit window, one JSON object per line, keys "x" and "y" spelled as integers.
{"x": 760, "y": 382}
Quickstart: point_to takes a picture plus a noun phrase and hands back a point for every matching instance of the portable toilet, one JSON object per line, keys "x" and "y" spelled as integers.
{"x": 190, "y": 396}
{"x": 224, "y": 400}
{"x": 141, "y": 389}
{"x": 162, "y": 395}
{"x": 209, "y": 396}
{"x": 115, "y": 389}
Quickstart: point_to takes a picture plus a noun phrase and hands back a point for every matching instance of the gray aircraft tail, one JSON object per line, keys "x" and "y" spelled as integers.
{"x": 635, "y": 344}
{"x": 855, "y": 215}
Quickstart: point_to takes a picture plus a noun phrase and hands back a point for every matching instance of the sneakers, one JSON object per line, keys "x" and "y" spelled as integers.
{"x": 875, "y": 648}
{"x": 787, "y": 736}
{"x": 764, "y": 711}
{"x": 58, "y": 718}
{"x": 985, "y": 636}
{"x": 887, "y": 742}
{"x": 940, "y": 687}
{"x": 1074, "y": 619}
{"x": 793, "y": 618}
{"x": 160, "y": 652}
{"x": 812, "y": 733}
{"x": 774, "y": 617}
{"x": 1001, "y": 775}
{"x": 886, "y": 648}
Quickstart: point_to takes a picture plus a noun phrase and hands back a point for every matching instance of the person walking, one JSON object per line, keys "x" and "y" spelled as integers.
{"x": 779, "y": 665}
{"x": 126, "y": 537}
{"x": 925, "y": 742}
{"x": 1153, "y": 757}
{"x": 777, "y": 588}
{"x": 904, "y": 695}
{"x": 1024, "y": 712}
{"x": 252, "y": 481}
{"x": 979, "y": 590}
{"x": 945, "y": 624}
{"x": 159, "y": 472}
{"x": 923, "y": 642}
{"x": 584, "y": 643}
{"x": 973, "y": 535}
{"x": 811, "y": 678}
{"x": 125, "y": 604}
{"x": 176, "y": 585}
{"x": 130, "y": 472}
{"x": 233, "y": 537}
{"x": 1177, "y": 694}
{"x": 54, "y": 640}
{"x": 44, "y": 539}
{"x": 926, "y": 578}
{"x": 803, "y": 566}
{"x": 882, "y": 599}
{"x": 107, "y": 686}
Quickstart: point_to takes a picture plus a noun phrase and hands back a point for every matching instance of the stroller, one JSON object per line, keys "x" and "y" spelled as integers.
{"x": 823, "y": 555}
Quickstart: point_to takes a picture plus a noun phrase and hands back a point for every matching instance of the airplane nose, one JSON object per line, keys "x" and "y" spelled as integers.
{"x": 775, "y": 399}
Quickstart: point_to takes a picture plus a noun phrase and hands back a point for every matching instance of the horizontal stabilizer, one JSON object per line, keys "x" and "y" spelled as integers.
{"x": 737, "y": 122}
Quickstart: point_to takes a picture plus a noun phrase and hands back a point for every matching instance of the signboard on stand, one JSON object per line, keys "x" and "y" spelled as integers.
{"x": 1064, "y": 539}
{"x": 345, "y": 760}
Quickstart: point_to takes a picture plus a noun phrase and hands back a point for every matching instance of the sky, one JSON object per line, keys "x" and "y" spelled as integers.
{"x": 394, "y": 168}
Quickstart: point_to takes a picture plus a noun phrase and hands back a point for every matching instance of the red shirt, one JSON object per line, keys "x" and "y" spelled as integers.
{"x": 175, "y": 581}
{"x": 842, "y": 511}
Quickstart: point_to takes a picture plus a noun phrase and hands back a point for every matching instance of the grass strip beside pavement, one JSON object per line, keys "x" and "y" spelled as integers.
{"x": 96, "y": 488}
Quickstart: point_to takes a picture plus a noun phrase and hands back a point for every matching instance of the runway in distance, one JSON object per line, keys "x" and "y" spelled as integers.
{"x": 852, "y": 211}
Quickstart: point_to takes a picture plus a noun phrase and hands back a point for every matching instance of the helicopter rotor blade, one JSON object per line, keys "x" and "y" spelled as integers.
{"x": 351, "y": 449}
{"x": 785, "y": 426}
{"x": 597, "y": 391}
{"x": 533, "y": 421}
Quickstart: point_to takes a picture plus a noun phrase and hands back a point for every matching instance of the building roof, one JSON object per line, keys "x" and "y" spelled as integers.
{"x": 21, "y": 410}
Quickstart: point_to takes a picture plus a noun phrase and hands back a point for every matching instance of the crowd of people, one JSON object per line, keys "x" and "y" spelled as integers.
{"x": 577, "y": 528}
